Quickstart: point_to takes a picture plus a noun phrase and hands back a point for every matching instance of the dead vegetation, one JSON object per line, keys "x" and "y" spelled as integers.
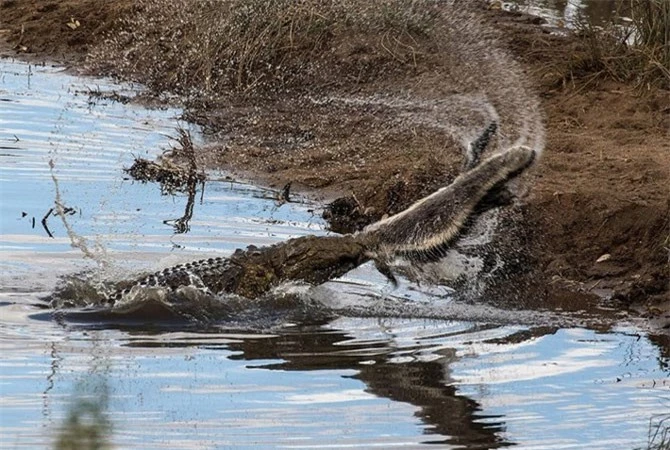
{"x": 176, "y": 171}
{"x": 212, "y": 46}
{"x": 633, "y": 48}
{"x": 659, "y": 432}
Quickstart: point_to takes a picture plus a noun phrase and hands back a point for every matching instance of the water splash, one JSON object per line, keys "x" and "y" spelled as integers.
{"x": 99, "y": 255}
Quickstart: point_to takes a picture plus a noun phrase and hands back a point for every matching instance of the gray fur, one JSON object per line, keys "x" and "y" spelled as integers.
{"x": 430, "y": 225}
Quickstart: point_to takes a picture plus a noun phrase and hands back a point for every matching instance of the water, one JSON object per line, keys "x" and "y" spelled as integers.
{"x": 352, "y": 363}
{"x": 566, "y": 12}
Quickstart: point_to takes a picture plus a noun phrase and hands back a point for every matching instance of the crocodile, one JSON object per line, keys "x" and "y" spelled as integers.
{"x": 421, "y": 232}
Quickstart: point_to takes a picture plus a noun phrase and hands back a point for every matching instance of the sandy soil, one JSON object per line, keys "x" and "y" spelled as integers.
{"x": 598, "y": 213}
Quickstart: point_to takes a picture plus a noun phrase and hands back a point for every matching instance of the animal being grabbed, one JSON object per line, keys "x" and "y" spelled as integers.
{"x": 428, "y": 228}
{"x": 422, "y": 232}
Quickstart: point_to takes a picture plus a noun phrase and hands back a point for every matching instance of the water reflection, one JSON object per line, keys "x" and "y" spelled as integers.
{"x": 568, "y": 12}
{"x": 449, "y": 417}
{"x": 347, "y": 381}
{"x": 182, "y": 224}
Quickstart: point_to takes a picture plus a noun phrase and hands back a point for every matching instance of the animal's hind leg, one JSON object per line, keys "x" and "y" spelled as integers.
{"x": 476, "y": 148}
{"x": 385, "y": 270}
{"x": 497, "y": 197}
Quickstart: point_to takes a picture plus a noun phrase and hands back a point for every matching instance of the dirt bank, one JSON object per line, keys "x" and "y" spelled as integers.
{"x": 598, "y": 211}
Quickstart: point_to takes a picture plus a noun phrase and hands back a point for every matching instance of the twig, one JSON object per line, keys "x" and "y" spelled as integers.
{"x": 44, "y": 223}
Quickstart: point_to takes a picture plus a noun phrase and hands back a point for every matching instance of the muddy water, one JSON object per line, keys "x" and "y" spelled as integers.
{"x": 566, "y": 12}
{"x": 349, "y": 364}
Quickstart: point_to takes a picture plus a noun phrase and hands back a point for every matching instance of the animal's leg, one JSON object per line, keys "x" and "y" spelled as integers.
{"x": 385, "y": 270}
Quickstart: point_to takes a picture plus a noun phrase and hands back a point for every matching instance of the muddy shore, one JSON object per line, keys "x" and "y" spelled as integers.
{"x": 598, "y": 210}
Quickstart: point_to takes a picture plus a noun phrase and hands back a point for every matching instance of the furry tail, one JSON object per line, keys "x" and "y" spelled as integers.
{"x": 431, "y": 224}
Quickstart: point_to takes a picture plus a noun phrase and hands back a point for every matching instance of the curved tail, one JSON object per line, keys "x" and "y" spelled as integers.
{"x": 431, "y": 224}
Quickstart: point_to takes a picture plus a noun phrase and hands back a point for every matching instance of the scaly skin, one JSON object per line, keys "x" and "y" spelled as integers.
{"x": 254, "y": 271}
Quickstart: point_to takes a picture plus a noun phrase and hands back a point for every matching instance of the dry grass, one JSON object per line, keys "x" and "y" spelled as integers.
{"x": 176, "y": 172}
{"x": 659, "y": 432}
{"x": 210, "y": 46}
{"x": 636, "y": 48}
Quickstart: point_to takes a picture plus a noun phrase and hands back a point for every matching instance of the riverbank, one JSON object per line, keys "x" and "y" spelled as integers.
{"x": 598, "y": 210}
